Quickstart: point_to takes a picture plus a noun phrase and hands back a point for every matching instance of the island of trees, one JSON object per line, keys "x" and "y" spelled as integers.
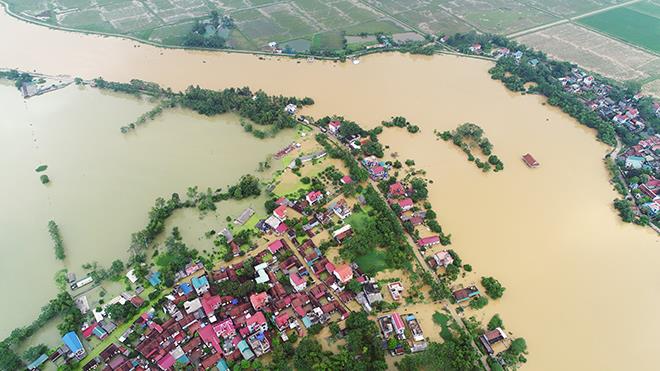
{"x": 54, "y": 232}
{"x": 468, "y": 136}
{"x": 401, "y": 122}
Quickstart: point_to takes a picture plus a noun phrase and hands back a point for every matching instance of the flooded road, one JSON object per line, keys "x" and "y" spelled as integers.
{"x": 549, "y": 234}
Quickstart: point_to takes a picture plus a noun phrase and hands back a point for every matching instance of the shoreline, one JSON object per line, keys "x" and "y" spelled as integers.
{"x": 358, "y": 54}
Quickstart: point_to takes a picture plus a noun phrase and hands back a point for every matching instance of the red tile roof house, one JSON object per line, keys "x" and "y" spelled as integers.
{"x": 416, "y": 220}
{"x": 257, "y": 322}
{"x": 340, "y": 234}
{"x": 281, "y": 229}
{"x": 282, "y": 321}
{"x": 235, "y": 249}
{"x": 343, "y": 272}
{"x": 465, "y": 294}
{"x": 299, "y": 284}
{"x": 258, "y": 301}
{"x": 333, "y": 126}
{"x": 346, "y": 180}
{"x": 225, "y": 329}
{"x": 530, "y": 160}
{"x": 280, "y": 212}
{"x": 399, "y": 326}
{"x": 492, "y": 337}
{"x": 318, "y": 291}
{"x": 428, "y": 241}
{"x": 166, "y": 362}
{"x": 406, "y": 204}
{"x": 209, "y": 337}
{"x": 653, "y": 184}
{"x": 443, "y": 258}
{"x": 219, "y": 276}
{"x": 275, "y": 246}
{"x": 210, "y": 303}
{"x": 313, "y": 197}
{"x": 396, "y": 190}
{"x": 377, "y": 171}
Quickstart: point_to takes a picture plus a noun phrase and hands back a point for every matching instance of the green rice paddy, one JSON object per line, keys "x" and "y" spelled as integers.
{"x": 638, "y": 25}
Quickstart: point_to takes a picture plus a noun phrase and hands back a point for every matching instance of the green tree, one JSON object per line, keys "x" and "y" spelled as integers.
{"x": 334, "y": 329}
{"x": 354, "y": 286}
{"x": 116, "y": 269}
{"x": 34, "y": 352}
{"x": 479, "y": 302}
{"x": 493, "y": 287}
{"x": 8, "y": 359}
{"x": 495, "y": 322}
{"x": 54, "y": 232}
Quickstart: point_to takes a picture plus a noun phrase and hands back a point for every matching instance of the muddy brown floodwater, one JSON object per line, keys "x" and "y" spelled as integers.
{"x": 582, "y": 287}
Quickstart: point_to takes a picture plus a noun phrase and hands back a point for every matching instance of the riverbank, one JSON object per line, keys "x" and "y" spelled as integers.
{"x": 297, "y": 56}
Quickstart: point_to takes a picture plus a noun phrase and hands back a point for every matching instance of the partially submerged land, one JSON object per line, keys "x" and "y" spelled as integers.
{"x": 274, "y": 282}
{"x": 468, "y": 136}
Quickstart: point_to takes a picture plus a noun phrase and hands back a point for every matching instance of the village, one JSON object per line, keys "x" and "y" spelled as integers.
{"x": 296, "y": 281}
{"x": 639, "y": 162}
{"x": 636, "y": 159}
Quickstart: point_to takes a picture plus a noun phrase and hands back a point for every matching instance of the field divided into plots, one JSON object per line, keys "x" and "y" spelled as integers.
{"x": 615, "y": 40}
{"x": 638, "y": 24}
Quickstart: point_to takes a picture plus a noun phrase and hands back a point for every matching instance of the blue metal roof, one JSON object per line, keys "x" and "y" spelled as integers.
{"x": 198, "y": 282}
{"x": 222, "y": 365}
{"x": 245, "y": 350}
{"x": 72, "y": 341}
{"x": 185, "y": 288}
{"x": 154, "y": 279}
{"x": 99, "y": 331}
{"x": 37, "y": 362}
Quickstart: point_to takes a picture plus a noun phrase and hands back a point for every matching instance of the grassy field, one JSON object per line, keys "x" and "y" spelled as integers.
{"x": 373, "y": 27}
{"x": 630, "y": 25}
{"x": 328, "y": 41}
{"x": 357, "y": 220}
{"x": 372, "y": 263}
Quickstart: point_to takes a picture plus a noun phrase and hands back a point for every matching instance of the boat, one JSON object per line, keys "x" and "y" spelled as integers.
{"x": 530, "y": 160}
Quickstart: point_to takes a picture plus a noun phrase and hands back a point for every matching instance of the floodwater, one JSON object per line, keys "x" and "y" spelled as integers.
{"x": 582, "y": 287}
{"x": 103, "y": 182}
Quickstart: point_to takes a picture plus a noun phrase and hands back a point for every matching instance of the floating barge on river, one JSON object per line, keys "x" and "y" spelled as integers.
{"x": 530, "y": 160}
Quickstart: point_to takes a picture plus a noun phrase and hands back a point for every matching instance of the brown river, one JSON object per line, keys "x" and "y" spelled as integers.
{"x": 582, "y": 287}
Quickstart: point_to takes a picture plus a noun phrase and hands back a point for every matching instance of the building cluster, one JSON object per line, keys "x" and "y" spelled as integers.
{"x": 71, "y": 349}
{"x": 400, "y": 195}
{"x": 200, "y": 324}
{"x": 197, "y": 325}
{"x": 645, "y": 157}
{"x": 624, "y": 112}
{"x": 402, "y": 330}
{"x": 595, "y": 94}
